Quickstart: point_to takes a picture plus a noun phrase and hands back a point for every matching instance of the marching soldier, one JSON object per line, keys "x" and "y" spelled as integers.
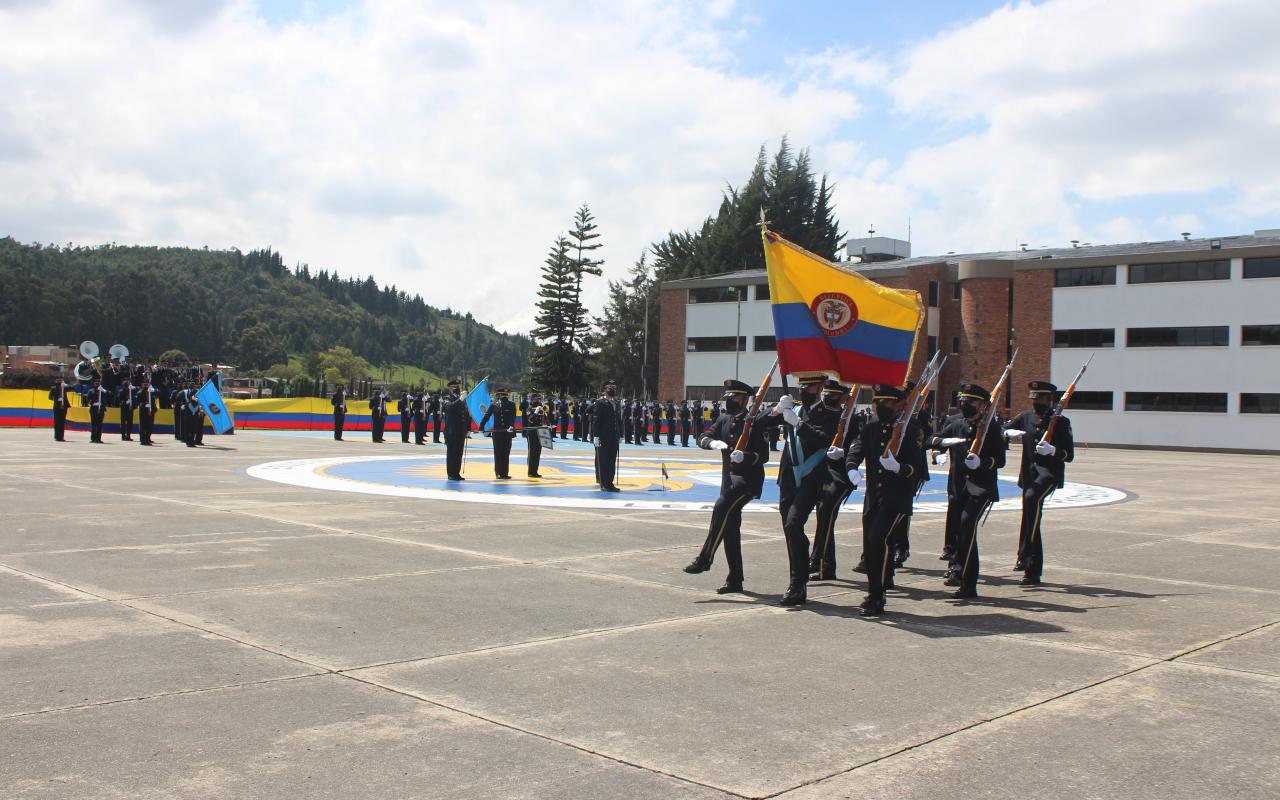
{"x": 890, "y": 491}
{"x": 147, "y": 402}
{"x": 973, "y": 480}
{"x": 97, "y": 409}
{"x": 61, "y": 402}
{"x": 800, "y": 475}
{"x": 126, "y": 409}
{"x": 684, "y": 423}
{"x": 534, "y": 418}
{"x": 457, "y": 426}
{"x": 1043, "y": 470}
{"x": 741, "y": 480}
{"x": 377, "y": 415}
{"x": 835, "y": 486}
{"x": 433, "y": 406}
{"x": 405, "y": 407}
{"x": 339, "y": 401}
{"x": 503, "y": 414}
{"x": 606, "y": 431}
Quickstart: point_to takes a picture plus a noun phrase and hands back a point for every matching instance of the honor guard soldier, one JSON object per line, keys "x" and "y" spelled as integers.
{"x": 683, "y": 415}
{"x": 890, "y": 490}
{"x": 405, "y": 406}
{"x": 178, "y": 403}
{"x": 900, "y": 547}
{"x": 1042, "y": 471}
{"x": 741, "y": 480}
{"x": 97, "y": 400}
{"x": 126, "y": 409}
{"x": 503, "y": 414}
{"x": 377, "y": 415}
{"x": 972, "y": 480}
{"x": 457, "y": 426}
{"x": 606, "y": 432}
{"x": 627, "y": 426}
{"x": 147, "y": 401}
{"x": 61, "y": 402}
{"x": 563, "y": 408}
{"x": 421, "y": 413}
{"x": 587, "y": 406}
{"x": 195, "y": 416}
{"x": 835, "y": 487}
{"x": 576, "y": 416}
{"x": 698, "y": 421}
{"x": 800, "y": 475}
{"x": 669, "y": 412}
{"x": 534, "y": 418}
{"x": 339, "y": 401}
{"x": 433, "y": 405}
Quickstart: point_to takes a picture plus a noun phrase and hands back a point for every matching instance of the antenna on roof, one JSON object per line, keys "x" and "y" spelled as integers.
{"x": 1075, "y": 243}
{"x": 1186, "y": 236}
{"x": 872, "y": 230}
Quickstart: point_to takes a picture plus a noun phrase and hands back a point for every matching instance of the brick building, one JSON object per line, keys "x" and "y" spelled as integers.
{"x": 1186, "y": 332}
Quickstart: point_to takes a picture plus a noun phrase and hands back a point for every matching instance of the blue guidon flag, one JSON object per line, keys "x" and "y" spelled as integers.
{"x": 478, "y": 402}
{"x": 214, "y": 409}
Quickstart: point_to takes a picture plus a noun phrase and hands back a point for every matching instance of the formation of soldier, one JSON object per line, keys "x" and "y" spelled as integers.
{"x": 139, "y": 391}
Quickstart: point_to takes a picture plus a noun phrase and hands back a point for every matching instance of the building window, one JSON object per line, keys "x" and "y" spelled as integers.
{"x": 955, "y": 290}
{"x": 714, "y": 344}
{"x": 718, "y": 294}
{"x": 955, "y": 345}
{"x": 933, "y": 345}
{"x": 760, "y": 343}
{"x": 1259, "y": 403}
{"x": 1203, "y": 336}
{"x": 1217, "y": 270}
{"x": 933, "y": 294}
{"x": 1085, "y": 337}
{"x": 1084, "y": 276}
{"x": 1259, "y": 335}
{"x": 1203, "y": 402}
{"x": 762, "y": 292}
{"x": 1268, "y": 267}
{"x": 1091, "y": 401}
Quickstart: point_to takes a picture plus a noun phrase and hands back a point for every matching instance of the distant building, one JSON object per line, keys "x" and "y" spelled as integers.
{"x": 52, "y": 358}
{"x": 1186, "y": 332}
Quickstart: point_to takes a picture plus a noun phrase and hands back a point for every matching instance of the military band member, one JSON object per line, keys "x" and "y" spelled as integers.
{"x": 377, "y": 415}
{"x": 741, "y": 480}
{"x": 61, "y": 402}
{"x": 503, "y": 413}
{"x": 433, "y": 407}
{"x": 457, "y": 426}
{"x": 535, "y": 418}
{"x": 1043, "y": 470}
{"x": 97, "y": 400}
{"x": 339, "y": 401}
{"x": 126, "y": 409}
{"x": 890, "y": 489}
{"x": 405, "y": 407}
{"x": 147, "y": 401}
{"x": 606, "y": 432}
{"x": 973, "y": 479}
{"x": 835, "y": 488}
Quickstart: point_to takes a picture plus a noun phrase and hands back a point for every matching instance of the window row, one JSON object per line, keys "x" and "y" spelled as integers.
{"x": 1203, "y": 402}
{"x": 1185, "y": 336}
{"x": 1218, "y": 269}
{"x": 725, "y": 344}
{"x": 727, "y": 294}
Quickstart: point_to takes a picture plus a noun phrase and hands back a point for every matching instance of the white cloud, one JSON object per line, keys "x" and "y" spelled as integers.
{"x": 441, "y": 147}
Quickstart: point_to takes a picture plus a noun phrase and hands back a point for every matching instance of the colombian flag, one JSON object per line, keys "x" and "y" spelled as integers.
{"x": 828, "y": 320}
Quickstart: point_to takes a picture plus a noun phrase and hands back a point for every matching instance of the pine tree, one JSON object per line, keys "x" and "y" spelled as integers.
{"x": 556, "y": 364}
{"x": 583, "y": 243}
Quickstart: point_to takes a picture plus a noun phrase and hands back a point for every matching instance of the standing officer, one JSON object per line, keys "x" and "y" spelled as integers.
{"x": 433, "y": 406}
{"x": 195, "y": 418}
{"x": 534, "y": 418}
{"x": 835, "y": 489}
{"x": 405, "y": 407}
{"x": 741, "y": 480}
{"x": 890, "y": 492}
{"x": 698, "y": 420}
{"x": 640, "y": 421}
{"x": 503, "y": 414}
{"x": 671, "y": 423}
{"x": 576, "y": 415}
{"x": 147, "y": 401}
{"x": 684, "y": 423}
{"x": 421, "y": 404}
{"x": 626, "y": 420}
{"x": 1043, "y": 470}
{"x": 97, "y": 409}
{"x": 377, "y": 414}
{"x": 339, "y": 401}
{"x": 457, "y": 426}
{"x": 58, "y": 394}
{"x": 974, "y": 479}
{"x": 126, "y": 409}
{"x": 178, "y": 401}
{"x": 563, "y": 407}
{"x": 606, "y": 431}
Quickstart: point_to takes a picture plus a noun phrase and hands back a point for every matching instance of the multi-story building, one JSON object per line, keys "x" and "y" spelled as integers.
{"x": 1185, "y": 333}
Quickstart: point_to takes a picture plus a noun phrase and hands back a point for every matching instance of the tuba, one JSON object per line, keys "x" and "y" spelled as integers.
{"x": 84, "y": 371}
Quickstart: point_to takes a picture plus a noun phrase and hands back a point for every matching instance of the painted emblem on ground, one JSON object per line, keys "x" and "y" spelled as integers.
{"x": 569, "y": 482}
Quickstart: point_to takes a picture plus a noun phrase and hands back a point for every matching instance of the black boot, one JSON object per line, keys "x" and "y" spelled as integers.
{"x": 1020, "y": 565}
{"x": 861, "y": 566}
{"x": 797, "y": 594}
{"x": 731, "y": 586}
{"x": 696, "y": 566}
{"x": 900, "y": 558}
{"x": 1029, "y": 580}
{"x": 871, "y": 607}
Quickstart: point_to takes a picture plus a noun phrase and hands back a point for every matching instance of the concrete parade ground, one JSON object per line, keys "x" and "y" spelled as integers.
{"x": 176, "y": 623}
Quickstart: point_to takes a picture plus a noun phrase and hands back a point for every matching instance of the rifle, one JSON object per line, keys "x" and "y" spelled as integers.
{"x": 756, "y": 402}
{"x": 913, "y": 402}
{"x": 980, "y": 437}
{"x": 846, "y": 415}
{"x": 1061, "y": 404}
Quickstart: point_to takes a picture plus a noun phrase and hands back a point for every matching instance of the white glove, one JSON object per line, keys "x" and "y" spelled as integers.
{"x": 736, "y": 456}
{"x": 784, "y": 403}
{"x": 941, "y": 458}
{"x": 951, "y": 441}
{"x": 972, "y": 461}
{"x": 890, "y": 463}
{"x": 835, "y": 453}
{"x": 855, "y": 478}
{"x": 791, "y": 417}
{"x": 1013, "y": 434}
{"x": 1045, "y": 449}
{"x": 716, "y": 444}
{"x": 511, "y": 430}
{"x": 596, "y": 441}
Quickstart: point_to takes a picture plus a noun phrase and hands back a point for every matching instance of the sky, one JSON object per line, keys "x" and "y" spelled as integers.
{"x": 444, "y": 146}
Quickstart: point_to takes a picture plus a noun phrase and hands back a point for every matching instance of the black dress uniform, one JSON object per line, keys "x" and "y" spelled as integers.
{"x": 377, "y": 415}
{"x": 533, "y": 419}
{"x": 835, "y": 487}
{"x": 339, "y": 401}
{"x": 61, "y": 402}
{"x": 421, "y": 403}
{"x": 195, "y": 419}
{"x": 563, "y": 408}
{"x": 405, "y": 407}
{"x": 740, "y": 482}
{"x": 147, "y": 401}
{"x": 974, "y": 489}
{"x": 576, "y": 415}
{"x": 97, "y": 410}
{"x": 627, "y": 427}
{"x": 698, "y": 421}
{"x": 900, "y": 547}
{"x": 889, "y": 494}
{"x": 434, "y": 404}
{"x": 457, "y": 424}
{"x": 1043, "y": 470}
{"x": 801, "y": 477}
{"x": 503, "y": 414}
{"x": 126, "y": 410}
{"x": 606, "y": 431}
{"x": 683, "y": 414}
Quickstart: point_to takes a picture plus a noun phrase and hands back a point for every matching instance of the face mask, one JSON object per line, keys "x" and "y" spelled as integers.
{"x": 1041, "y": 407}
{"x": 732, "y": 406}
{"x": 886, "y": 413}
{"x": 610, "y": 392}
{"x": 833, "y": 401}
{"x": 969, "y": 410}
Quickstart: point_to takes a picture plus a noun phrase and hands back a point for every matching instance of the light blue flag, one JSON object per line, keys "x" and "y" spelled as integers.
{"x": 214, "y": 409}
{"x": 478, "y": 402}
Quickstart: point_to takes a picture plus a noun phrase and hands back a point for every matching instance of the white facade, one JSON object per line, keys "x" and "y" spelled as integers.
{"x": 722, "y": 319}
{"x": 1232, "y": 369}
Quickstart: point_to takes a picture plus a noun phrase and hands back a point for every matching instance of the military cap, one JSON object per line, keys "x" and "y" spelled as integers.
{"x": 1041, "y": 387}
{"x": 732, "y": 386}
{"x": 454, "y": 383}
{"x": 502, "y": 390}
{"x": 834, "y": 387}
{"x": 972, "y": 391}
{"x": 885, "y": 391}
{"x": 610, "y": 385}
{"x": 810, "y": 378}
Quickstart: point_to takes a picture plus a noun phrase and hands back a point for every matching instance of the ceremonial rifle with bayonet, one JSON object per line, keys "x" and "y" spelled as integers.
{"x": 1062, "y": 404}
{"x": 754, "y": 411}
{"x": 980, "y": 437}
{"x": 915, "y": 399}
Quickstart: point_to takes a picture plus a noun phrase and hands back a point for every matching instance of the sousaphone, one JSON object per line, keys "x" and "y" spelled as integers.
{"x": 89, "y": 352}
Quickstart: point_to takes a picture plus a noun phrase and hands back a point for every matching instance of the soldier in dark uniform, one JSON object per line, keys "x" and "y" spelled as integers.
{"x": 812, "y": 426}
{"x": 126, "y": 409}
{"x": 890, "y": 490}
{"x": 503, "y": 414}
{"x": 972, "y": 481}
{"x": 534, "y": 419}
{"x": 421, "y": 406}
{"x": 97, "y": 400}
{"x": 698, "y": 421}
{"x": 900, "y": 547}
{"x": 627, "y": 426}
{"x": 606, "y": 431}
{"x": 457, "y": 426}
{"x": 433, "y": 406}
{"x": 147, "y": 401}
{"x": 670, "y": 413}
{"x": 1043, "y": 470}
{"x": 835, "y": 487}
{"x": 562, "y": 406}
{"x": 576, "y": 415}
{"x": 339, "y": 401}
{"x": 196, "y": 417}
{"x": 377, "y": 415}
{"x": 683, "y": 414}
{"x": 179, "y": 405}
{"x": 741, "y": 480}
{"x": 405, "y": 407}
{"x": 587, "y": 406}
{"x": 61, "y": 402}
{"x": 715, "y": 411}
